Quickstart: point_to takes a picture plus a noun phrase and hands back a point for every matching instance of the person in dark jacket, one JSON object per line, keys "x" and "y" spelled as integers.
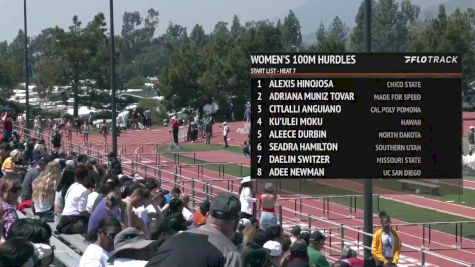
{"x": 115, "y": 163}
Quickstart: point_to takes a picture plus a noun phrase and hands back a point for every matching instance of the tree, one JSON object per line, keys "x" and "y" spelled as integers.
{"x": 49, "y": 73}
{"x": 236, "y": 28}
{"x": 221, "y": 30}
{"x": 291, "y": 35}
{"x": 390, "y": 25}
{"x": 198, "y": 36}
{"x": 178, "y": 82}
{"x": 338, "y": 30}
{"x": 321, "y": 33}
{"x": 332, "y": 39}
{"x": 454, "y": 33}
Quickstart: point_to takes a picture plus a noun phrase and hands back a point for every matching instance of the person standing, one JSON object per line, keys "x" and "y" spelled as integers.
{"x": 316, "y": 257}
{"x": 226, "y": 130}
{"x": 147, "y": 118}
{"x": 208, "y": 131}
{"x": 86, "y": 128}
{"x": 245, "y": 196}
{"x": 386, "y": 245}
{"x": 175, "y": 128}
{"x": 56, "y": 139}
{"x": 471, "y": 140}
{"x": 7, "y": 126}
{"x": 104, "y": 130}
{"x": 267, "y": 200}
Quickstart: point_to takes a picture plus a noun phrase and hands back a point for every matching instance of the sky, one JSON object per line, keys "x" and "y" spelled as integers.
{"x": 49, "y": 13}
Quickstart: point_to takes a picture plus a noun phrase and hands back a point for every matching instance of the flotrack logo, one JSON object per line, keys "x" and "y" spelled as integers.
{"x": 431, "y": 59}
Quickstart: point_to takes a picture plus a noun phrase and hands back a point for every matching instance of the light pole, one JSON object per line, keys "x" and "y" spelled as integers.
{"x": 27, "y": 89}
{"x": 114, "y": 126}
{"x": 368, "y": 184}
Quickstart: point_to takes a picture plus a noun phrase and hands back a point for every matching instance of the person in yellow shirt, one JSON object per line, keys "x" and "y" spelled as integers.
{"x": 386, "y": 244}
{"x": 9, "y": 164}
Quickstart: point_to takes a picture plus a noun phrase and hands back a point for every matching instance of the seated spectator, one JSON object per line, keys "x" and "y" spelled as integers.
{"x": 44, "y": 191}
{"x": 295, "y": 233}
{"x": 208, "y": 245}
{"x": 200, "y": 215}
{"x": 9, "y": 191}
{"x": 28, "y": 151}
{"x": 97, "y": 253}
{"x": 260, "y": 237}
{"x": 175, "y": 210}
{"x": 12, "y": 164}
{"x": 17, "y": 252}
{"x": 132, "y": 249}
{"x": 74, "y": 218}
{"x": 109, "y": 182}
{"x": 253, "y": 255}
{"x": 187, "y": 211}
{"x": 274, "y": 232}
{"x": 31, "y": 175}
{"x": 174, "y": 194}
{"x": 39, "y": 233}
{"x": 114, "y": 163}
{"x": 139, "y": 197}
{"x": 286, "y": 243}
{"x": 107, "y": 207}
{"x": 298, "y": 255}
{"x": 316, "y": 257}
{"x": 305, "y": 236}
{"x": 351, "y": 257}
{"x": 34, "y": 230}
{"x": 62, "y": 186}
{"x": 274, "y": 249}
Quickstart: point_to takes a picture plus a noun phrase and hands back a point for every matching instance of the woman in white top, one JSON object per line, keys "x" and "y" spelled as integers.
{"x": 247, "y": 201}
{"x": 86, "y": 128}
{"x": 44, "y": 188}
{"x": 97, "y": 253}
{"x": 75, "y": 217}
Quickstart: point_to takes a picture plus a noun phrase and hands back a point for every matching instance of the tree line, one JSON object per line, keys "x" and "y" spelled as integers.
{"x": 196, "y": 68}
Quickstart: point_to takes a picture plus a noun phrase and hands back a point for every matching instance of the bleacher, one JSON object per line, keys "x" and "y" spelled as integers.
{"x": 65, "y": 254}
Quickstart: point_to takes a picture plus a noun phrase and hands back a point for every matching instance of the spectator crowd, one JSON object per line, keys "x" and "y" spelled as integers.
{"x": 129, "y": 220}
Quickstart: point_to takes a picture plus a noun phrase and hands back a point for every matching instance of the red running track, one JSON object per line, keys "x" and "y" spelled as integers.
{"x": 338, "y": 213}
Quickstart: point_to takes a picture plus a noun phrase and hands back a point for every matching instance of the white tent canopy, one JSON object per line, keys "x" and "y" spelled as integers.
{"x": 82, "y": 112}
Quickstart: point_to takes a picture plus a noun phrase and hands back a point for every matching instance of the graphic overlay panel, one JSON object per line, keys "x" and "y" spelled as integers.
{"x": 353, "y": 116}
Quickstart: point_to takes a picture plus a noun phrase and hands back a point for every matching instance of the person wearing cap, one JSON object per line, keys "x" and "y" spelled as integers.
{"x": 386, "y": 245}
{"x": 274, "y": 249}
{"x": 295, "y": 233}
{"x": 267, "y": 200}
{"x": 316, "y": 257}
{"x": 226, "y": 130}
{"x": 208, "y": 245}
{"x": 99, "y": 251}
{"x": 131, "y": 249}
{"x": 246, "y": 198}
{"x": 471, "y": 139}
